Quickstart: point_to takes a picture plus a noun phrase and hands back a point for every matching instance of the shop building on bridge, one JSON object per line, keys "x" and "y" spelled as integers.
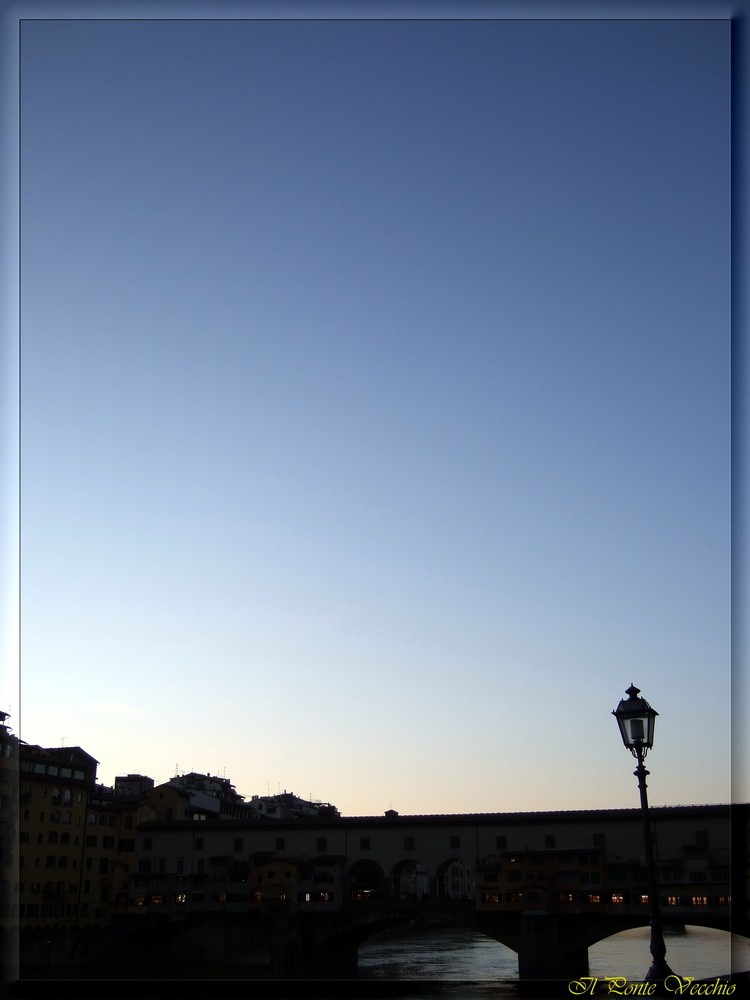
{"x": 577, "y": 881}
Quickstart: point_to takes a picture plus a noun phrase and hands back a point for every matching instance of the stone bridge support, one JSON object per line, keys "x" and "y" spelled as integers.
{"x": 548, "y": 945}
{"x": 548, "y": 950}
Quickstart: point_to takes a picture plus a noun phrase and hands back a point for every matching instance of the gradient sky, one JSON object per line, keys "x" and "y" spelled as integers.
{"x": 375, "y": 405}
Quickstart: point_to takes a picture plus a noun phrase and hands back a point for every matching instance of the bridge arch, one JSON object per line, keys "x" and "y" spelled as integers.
{"x": 366, "y": 880}
{"x": 400, "y": 948}
{"x": 710, "y": 952}
{"x": 631, "y": 920}
{"x": 410, "y": 879}
{"x": 453, "y": 879}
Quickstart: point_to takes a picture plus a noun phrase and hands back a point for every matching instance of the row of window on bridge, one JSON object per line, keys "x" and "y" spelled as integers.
{"x": 511, "y": 900}
{"x": 250, "y": 899}
{"x": 531, "y": 896}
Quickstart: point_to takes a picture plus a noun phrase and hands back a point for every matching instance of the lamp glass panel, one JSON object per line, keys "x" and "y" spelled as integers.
{"x": 637, "y": 730}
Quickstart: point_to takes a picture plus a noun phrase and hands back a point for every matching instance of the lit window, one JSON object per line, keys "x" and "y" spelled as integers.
{"x": 180, "y": 897}
{"x": 617, "y": 897}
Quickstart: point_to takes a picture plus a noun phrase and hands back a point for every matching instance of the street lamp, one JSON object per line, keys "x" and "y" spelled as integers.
{"x": 636, "y": 720}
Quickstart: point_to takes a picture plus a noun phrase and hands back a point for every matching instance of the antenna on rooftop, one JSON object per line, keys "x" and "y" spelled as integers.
{"x": 62, "y": 740}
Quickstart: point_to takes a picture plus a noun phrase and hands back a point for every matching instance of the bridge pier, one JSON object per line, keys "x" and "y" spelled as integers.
{"x": 546, "y": 950}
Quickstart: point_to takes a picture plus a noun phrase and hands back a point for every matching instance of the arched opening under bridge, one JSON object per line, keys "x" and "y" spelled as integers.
{"x": 365, "y": 880}
{"x": 409, "y": 880}
{"x": 435, "y": 953}
{"x": 702, "y": 952}
{"x": 454, "y": 879}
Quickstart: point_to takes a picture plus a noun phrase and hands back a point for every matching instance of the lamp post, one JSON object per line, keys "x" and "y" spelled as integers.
{"x": 636, "y": 720}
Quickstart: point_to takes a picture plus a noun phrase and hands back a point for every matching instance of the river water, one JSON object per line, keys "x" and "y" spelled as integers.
{"x": 458, "y": 954}
{"x": 457, "y": 962}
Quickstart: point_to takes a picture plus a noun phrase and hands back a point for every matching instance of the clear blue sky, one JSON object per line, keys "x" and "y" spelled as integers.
{"x": 375, "y": 405}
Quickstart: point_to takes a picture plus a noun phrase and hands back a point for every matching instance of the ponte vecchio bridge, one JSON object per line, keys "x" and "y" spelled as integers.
{"x": 547, "y": 884}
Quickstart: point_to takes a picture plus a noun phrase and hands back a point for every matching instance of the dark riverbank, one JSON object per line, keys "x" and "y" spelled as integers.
{"x": 154, "y": 969}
